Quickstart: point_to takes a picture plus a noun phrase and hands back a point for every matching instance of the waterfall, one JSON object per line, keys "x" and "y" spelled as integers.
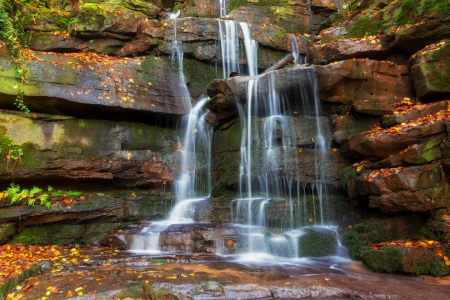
{"x": 230, "y": 47}
{"x": 266, "y": 141}
{"x": 197, "y": 139}
{"x": 222, "y": 8}
{"x": 229, "y": 44}
{"x": 177, "y": 55}
{"x": 298, "y": 58}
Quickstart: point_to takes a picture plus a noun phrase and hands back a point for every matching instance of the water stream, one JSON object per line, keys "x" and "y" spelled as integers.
{"x": 268, "y": 139}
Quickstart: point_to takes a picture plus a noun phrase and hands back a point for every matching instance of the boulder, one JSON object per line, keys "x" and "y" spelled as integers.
{"x": 343, "y": 49}
{"x": 431, "y": 72}
{"x": 86, "y": 86}
{"x": 372, "y": 108}
{"x": 379, "y": 82}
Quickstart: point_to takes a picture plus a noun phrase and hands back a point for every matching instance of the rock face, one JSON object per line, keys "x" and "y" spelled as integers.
{"x": 431, "y": 71}
{"x": 378, "y": 82}
{"x": 74, "y": 86}
{"x": 346, "y": 49}
{"x": 420, "y": 188}
{"x": 73, "y": 149}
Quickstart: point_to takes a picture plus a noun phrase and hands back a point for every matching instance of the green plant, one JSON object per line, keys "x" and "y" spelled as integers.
{"x": 12, "y": 32}
{"x": 16, "y": 194}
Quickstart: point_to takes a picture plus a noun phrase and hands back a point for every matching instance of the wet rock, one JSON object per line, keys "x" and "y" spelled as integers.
{"x": 6, "y": 232}
{"x": 289, "y": 81}
{"x": 417, "y": 112}
{"x": 246, "y": 291}
{"x": 431, "y": 72}
{"x": 66, "y": 85}
{"x": 317, "y": 242}
{"x": 343, "y": 49}
{"x": 417, "y": 261}
{"x": 379, "y": 82}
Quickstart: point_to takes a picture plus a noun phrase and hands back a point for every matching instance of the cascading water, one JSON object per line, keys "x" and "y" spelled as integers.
{"x": 178, "y": 55}
{"x": 230, "y": 45}
{"x": 198, "y": 139}
{"x": 268, "y": 140}
{"x": 222, "y": 8}
{"x": 298, "y": 58}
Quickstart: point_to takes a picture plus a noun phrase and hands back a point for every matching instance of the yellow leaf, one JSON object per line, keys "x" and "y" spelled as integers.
{"x": 80, "y": 293}
{"x": 149, "y": 83}
{"x": 87, "y": 259}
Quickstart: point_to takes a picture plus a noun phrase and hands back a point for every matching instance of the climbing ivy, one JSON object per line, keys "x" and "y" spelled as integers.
{"x": 12, "y": 32}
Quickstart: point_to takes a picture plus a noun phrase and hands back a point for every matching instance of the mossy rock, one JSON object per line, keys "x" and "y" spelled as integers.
{"x": 416, "y": 261}
{"x": 387, "y": 260}
{"x": 50, "y": 234}
{"x": 6, "y": 232}
{"x": 317, "y": 243}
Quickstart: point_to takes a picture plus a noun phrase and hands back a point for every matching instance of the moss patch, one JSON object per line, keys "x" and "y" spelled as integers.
{"x": 317, "y": 244}
{"x": 387, "y": 260}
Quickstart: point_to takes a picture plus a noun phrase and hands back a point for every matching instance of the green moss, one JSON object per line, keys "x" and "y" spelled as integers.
{"x": 235, "y": 4}
{"x": 362, "y": 235}
{"x": 317, "y": 244}
{"x": 388, "y": 260}
{"x": 40, "y": 235}
{"x": 365, "y": 26}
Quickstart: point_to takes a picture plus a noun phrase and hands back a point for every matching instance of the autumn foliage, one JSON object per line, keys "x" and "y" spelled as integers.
{"x": 16, "y": 259}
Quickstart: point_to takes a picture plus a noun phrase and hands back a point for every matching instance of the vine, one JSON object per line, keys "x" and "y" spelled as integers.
{"x": 11, "y": 31}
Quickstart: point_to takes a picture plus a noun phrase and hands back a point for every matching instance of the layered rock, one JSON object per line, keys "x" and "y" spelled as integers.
{"x": 85, "y": 85}
{"x": 382, "y": 143}
{"x": 374, "y": 82}
{"x": 70, "y": 149}
{"x": 419, "y": 188}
